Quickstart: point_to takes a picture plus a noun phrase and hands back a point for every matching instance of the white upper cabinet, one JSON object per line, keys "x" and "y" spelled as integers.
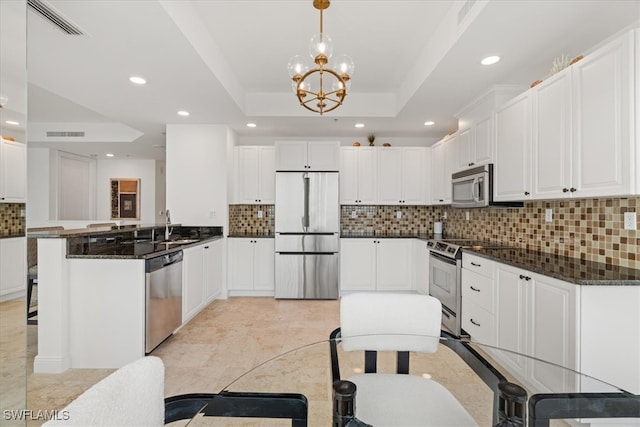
{"x": 482, "y": 141}
{"x": 551, "y": 138}
{"x": 307, "y": 155}
{"x": 401, "y": 175}
{"x": 464, "y": 155}
{"x": 255, "y": 175}
{"x": 358, "y": 173}
{"x": 13, "y": 171}
{"x": 437, "y": 173}
{"x": 603, "y": 121}
{"x": 512, "y": 179}
{"x": 578, "y": 140}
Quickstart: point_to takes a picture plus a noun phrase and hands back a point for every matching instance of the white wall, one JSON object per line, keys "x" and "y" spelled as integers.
{"x": 197, "y": 174}
{"x": 38, "y": 177}
{"x": 143, "y": 169}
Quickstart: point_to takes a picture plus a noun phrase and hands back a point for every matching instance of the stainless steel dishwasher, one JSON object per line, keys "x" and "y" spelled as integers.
{"x": 163, "y": 278}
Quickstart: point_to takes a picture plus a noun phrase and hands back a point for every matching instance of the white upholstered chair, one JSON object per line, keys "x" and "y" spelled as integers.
{"x": 402, "y": 323}
{"x": 131, "y": 396}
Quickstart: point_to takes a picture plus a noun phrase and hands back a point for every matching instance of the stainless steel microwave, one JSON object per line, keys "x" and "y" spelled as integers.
{"x": 473, "y": 188}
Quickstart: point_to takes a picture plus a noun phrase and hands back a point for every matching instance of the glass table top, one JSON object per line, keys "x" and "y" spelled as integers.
{"x": 471, "y": 372}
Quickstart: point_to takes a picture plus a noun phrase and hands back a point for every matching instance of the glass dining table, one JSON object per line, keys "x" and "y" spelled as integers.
{"x": 309, "y": 386}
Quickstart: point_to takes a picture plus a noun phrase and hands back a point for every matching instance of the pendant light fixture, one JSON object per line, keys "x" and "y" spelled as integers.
{"x": 321, "y": 88}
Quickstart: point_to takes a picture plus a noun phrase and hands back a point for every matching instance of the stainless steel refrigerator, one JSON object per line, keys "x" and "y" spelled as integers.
{"x": 307, "y": 235}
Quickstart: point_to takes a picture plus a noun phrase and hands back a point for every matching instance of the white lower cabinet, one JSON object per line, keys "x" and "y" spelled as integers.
{"x": 478, "y": 298}
{"x": 536, "y": 316}
{"x": 13, "y": 267}
{"x": 251, "y": 266}
{"x": 369, "y": 264}
{"x": 201, "y": 277}
{"x": 421, "y": 266}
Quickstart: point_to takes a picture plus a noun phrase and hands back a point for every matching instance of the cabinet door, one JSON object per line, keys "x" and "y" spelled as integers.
{"x": 437, "y": 173}
{"x": 349, "y": 175}
{"x": 421, "y": 266}
{"x": 393, "y": 262}
{"x": 192, "y": 282}
{"x": 323, "y": 155}
{"x": 248, "y": 174}
{"x": 13, "y": 171}
{"x": 510, "y": 316}
{"x": 551, "y": 144}
{"x": 390, "y": 176}
{"x": 267, "y": 175}
{"x": 603, "y": 120}
{"x": 464, "y": 150}
{"x": 552, "y": 332}
{"x": 449, "y": 166}
{"x": 367, "y": 175}
{"x": 291, "y": 155}
{"x": 357, "y": 264}
{"x": 213, "y": 259}
{"x": 512, "y": 169}
{"x": 13, "y": 265}
{"x": 482, "y": 145}
{"x": 264, "y": 264}
{"x": 413, "y": 171}
{"x": 240, "y": 264}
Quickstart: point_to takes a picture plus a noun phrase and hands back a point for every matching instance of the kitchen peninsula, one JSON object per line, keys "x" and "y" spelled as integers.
{"x": 91, "y": 308}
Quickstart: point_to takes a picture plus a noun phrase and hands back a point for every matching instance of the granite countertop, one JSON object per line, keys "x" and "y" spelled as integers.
{"x": 572, "y": 270}
{"x": 385, "y": 235}
{"x": 251, "y": 236}
{"x": 137, "y": 250}
{"x": 64, "y": 233}
{"x": 12, "y": 235}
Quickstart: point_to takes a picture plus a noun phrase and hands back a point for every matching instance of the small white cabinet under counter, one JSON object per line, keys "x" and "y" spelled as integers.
{"x": 478, "y": 298}
{"x": 251, "y": 266}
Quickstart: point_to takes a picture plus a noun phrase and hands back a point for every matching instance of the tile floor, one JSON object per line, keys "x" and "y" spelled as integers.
{"x": 231, "y": 336}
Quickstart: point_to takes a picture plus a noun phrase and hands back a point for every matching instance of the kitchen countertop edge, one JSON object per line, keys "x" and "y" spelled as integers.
{"x": 537, "y": 266}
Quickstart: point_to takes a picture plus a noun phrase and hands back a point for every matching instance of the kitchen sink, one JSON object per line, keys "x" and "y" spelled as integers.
{"x": 178, "y": 242}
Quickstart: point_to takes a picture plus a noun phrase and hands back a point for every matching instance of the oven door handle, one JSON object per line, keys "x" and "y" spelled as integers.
{"x": 443, "y": 258}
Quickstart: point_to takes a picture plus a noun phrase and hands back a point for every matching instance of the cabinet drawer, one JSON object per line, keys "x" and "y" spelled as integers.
{"x": 478, "y": 289}
{"x": 478, "y": 264}
{"x": 478, "y": 323}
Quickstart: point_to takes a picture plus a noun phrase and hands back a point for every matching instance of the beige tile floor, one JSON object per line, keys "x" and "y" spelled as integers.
{"x": 232, "y": 336}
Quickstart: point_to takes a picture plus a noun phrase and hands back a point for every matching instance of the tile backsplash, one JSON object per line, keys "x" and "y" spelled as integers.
{"x": 590, "y": 229}
{"x": 243, "y": 220}
{"x": 12, "y": 220}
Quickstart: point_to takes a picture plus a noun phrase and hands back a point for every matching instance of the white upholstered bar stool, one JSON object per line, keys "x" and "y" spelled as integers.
{"x": 401, "y": 323}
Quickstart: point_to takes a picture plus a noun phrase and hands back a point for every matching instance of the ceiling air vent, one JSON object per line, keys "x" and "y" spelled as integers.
{"x": 466, "y": 7}
{"x": 64, "y": 134}
{"x": 54, "y": 17}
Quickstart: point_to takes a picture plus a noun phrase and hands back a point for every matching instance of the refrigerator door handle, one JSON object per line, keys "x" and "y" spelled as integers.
{"x": 305, "y": 218}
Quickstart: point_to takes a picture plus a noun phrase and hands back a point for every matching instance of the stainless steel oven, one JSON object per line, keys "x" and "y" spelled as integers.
{"x": 444, "y": 284}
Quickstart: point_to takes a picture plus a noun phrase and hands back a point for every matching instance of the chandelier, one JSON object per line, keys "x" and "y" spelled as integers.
{"x": 322, "y": 88}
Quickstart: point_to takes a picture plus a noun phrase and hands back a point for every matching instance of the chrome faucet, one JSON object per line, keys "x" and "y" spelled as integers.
{"x": 167, "y": 222}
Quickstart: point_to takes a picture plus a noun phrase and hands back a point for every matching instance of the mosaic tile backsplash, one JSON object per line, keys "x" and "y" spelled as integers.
{"x": 12, "y": 223}
{"x": 590, "y": 229}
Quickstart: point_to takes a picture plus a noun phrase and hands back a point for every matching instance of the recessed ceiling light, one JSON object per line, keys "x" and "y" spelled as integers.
{"x": 109, "y": 155}
{"x": 12, "y": 122}
{"x": 183, "y": 113}
{"x": 489, "y": 60}
{"x": 359, "y": 125}
{"x": 429, "y": 123}
{"x": 251, "y": 125}
{"x": 137, "y": 80}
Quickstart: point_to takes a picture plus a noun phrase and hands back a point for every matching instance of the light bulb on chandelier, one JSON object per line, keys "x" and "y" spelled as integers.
{"x": 323, "y": 87}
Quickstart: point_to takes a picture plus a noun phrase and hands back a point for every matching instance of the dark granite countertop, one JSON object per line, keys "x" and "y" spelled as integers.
{"x": 12, "y": 236}
{"x": 385, "y": 235}
{"x": 572, "y": 270}
{"x": 66, "y": 233}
